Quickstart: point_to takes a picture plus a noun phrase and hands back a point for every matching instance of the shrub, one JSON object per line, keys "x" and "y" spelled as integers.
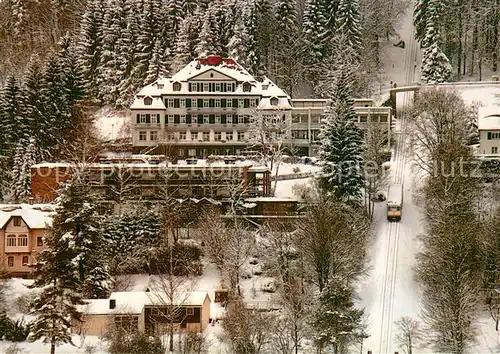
{"x": 186, "y": 260}
{"x": 14, "y": 331}
{"x": 127, "y": 342}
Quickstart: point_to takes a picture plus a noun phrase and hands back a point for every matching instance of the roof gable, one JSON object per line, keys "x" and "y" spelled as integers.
{"x": 211, "y": 74}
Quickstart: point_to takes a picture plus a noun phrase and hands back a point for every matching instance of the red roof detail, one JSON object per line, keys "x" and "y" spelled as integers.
{"x": 214, "y": 60}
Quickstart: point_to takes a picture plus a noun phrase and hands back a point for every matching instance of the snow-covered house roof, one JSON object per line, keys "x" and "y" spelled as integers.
{"x": 140, "y": 101}
{"x": 133, "y": 302}
{"x": 489, "y": 117}
{"x": 35, "y": 216}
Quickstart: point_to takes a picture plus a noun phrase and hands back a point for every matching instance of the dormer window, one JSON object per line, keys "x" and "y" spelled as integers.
{"x": 160, "y": 86}
{"x": 265, "y": 87}
{"x": 274, "y": 101}
{"x": 17, "y": 220}
{"x": 177, "y": 86}
{"x": 247, "y": 87}
{"x": 148, "y": 101}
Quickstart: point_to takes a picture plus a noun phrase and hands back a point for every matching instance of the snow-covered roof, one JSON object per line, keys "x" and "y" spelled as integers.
{"x": 133, "y": 302}
{"x": 270, "y": 199}
{"x": 139, "y": 101}
{"x": 490, "y": 122}
{"x": 228, "y": 67}
{"x": 35, "y": 216}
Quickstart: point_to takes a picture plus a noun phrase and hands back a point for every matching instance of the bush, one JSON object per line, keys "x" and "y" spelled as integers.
{"x": 126, "y": 342}
{"x": 14, "y": 331}
{"x": 186, "y": 260}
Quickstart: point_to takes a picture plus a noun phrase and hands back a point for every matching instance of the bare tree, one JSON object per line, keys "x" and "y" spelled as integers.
{"x": 374, "y": 147}
{"x": 333, "y": 238}
{"x": 246, "y": 329}
{"x": 409, "y": 333}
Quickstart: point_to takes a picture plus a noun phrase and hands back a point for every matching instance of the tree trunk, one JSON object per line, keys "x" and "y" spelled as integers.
{"x": 52, "y": 347}
{"x": 459, "y": 64}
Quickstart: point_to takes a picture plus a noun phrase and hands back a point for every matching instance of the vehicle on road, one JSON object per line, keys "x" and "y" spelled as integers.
{"x": 395, "y": 202}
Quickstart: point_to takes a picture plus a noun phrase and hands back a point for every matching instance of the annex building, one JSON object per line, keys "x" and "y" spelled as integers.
{"x": 209, "y": 106}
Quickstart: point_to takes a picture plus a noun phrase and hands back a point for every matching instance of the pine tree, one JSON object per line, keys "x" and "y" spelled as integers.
{"x": 341, "y": 145}
{"x": 251, "y": 46}
{"x": 337, "y": 321}
{"x": 264, "y": 32}
{"x": 33, "y": 85}
{"x": 113, "y": 50}
{"x": 55, "y": 307}
{"x": 237, "y": 44}
{"x": 14, "y": 120}
{"x": 155, "y": 64}
{"x": 186, "y": 43}
{"x": 316, "y": 35}
{"x": 206, "y": 40}
{"x": 436, "y": 67}
{"x": 348, "y": 22}
{"x": 25, "y": 156}
{"x": 420, "y": 18}
{"x": 77, "y": 221}
{"x": 189, "y": 7}
{"x": 90, "y": 46}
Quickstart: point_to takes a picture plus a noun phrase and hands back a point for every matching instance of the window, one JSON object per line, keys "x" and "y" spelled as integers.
{"x": 22, "y": 241}
{"x": 170, "y": 119}
{"x": 494, "y": 150}
{"x": 218, "y": 136}
{"x": 170, "y": 103}
{"x": 229, "y": 103}
{"x": 148, "y": 101}
{"x": 183, "y": 119}
{"x": 493, "y": 136}
{"x": 206, "y": 102}
{"x": 383, "y": 119}
{"x": 176, "y": 103}
{"x": 142, "y": 118}
{"x": 362, "y": 119}
{"x": 206, "y": 136}
{"x": 230, "y": 87}
{"x": 11, "y": 241}
{"x": 39, "y": 241}
{"x": 217, "y": 87}
{"x": 217, "y": 103}
{"x": 253, "y": 103}
{"x": 206, "y": 88}
{"x": 153, "y": 119}
{"x": 171, "y": 136}
{"x": 182, "y": 103}
{"x": 193, "y": 87}
{"x": 177, "y": 86}
{"x": 182, "y": 136}
{"x": 217, "y": 119}
{"x": 229, "y": 119}
{"x": 17, "y": 221}
{"x": 10, "y": 261}
{"x": 241, "y": 103}
{"x": 190, "y": 311}
{"x": 241, "y": 136}
{"x": 194, "y": 103}
{"x": 153, "y": 136}
{"x": 25, "y": 260}
{"x": 206, "y": 119}
{"x": 229, "y": 136}
{"x": 241, "y": 119}
{"x": 274, "y": 101}
{"x": 194, "y": 119}
{"x": 142, "y": 136}
{"x": 247, "y": 87}
{"x": 192, "y": 152}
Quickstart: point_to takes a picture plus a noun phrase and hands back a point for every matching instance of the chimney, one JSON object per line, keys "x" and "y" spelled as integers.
{"x": 112, "y": 304}
{"x": 31, "y": 201}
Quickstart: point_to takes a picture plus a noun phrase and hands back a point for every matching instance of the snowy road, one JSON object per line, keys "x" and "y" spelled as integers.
{"x": 390, "y": 291}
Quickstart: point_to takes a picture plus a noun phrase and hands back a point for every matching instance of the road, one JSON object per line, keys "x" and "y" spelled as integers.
{"x": 390, "y": 291}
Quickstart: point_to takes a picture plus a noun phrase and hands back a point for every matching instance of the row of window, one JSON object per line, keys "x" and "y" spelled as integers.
{"x": 304, "y": 118}
{"x": 194, "y": 119}
{"x": 212, "y": 87}
{"x": 211, "y": 102}
{"x": 304, "y": 134}
{"x": 10, "y": 261}
{"x": 21, "y": 241}
{"x": 205, "y": 136}
{"x": 493, "y": 136}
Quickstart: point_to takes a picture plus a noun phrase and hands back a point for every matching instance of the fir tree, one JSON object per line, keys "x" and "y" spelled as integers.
{"x": 155, "y": 64}
{"x": 33, "y": 84}
{"x": 91, "y": 42}
{"x": 77, "y": 221}
{"x": 206, "y": 40}
{"x": 337, "y": 322}
{"x": 55, "y": 307}
{"x": 251, "y": 46}
{"x": 14, "y": 120}
{"x": 420, "y": 18}
{"x": 315, "y": 33}
{"x": 25, "y": 156}
{"x": 436, "y": 67}
{"x": 189, "y": 7}
{"x": 348, "y": 22}
{"x": 186, "y": 43}
{"x": 264, "y": 31}
{"x": 341, "y": 145}
{"x": 237, "y": 44}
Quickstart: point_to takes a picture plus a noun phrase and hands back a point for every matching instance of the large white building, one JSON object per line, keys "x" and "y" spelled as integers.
{"x": 489, "y": 131}
{"x": 206, "y": 108}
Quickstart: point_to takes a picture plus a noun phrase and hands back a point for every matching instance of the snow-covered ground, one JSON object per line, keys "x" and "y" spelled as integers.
{"x": 112, "y": 124}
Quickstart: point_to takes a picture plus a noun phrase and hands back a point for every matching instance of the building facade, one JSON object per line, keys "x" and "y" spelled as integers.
{"x": 148, "y": 181}
{"x": 205, "y": 109}
{"x": 489, "y": 135}
{"x": 22, "y": 232}
{"x": 209, "y": 108}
